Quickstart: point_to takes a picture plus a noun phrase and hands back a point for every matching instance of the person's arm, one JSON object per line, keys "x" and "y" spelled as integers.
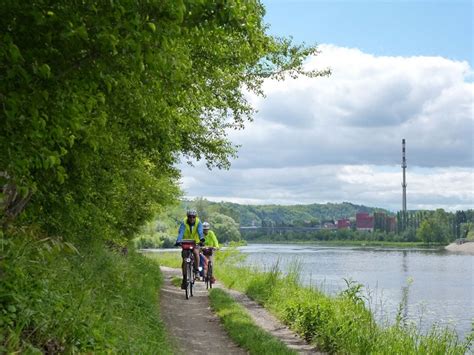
{"x": 181, "y": 230}
{"x": 215, "y": 242}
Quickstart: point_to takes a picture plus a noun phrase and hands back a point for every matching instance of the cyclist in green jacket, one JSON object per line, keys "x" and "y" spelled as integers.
{"x": 210, "y": 241}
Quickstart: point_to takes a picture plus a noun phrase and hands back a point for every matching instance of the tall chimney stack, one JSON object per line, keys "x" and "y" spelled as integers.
{"x": 404, "y": 184}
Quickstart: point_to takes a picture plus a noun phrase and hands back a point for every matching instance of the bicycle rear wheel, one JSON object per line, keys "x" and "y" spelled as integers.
{"x": 209, "y": 275}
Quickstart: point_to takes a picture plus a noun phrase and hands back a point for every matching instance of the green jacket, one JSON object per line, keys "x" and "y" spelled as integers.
{"x": 211, "y": 240}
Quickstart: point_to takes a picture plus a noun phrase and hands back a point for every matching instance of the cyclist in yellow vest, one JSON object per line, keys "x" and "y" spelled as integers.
{"x": 210, "y": 241}
{"x": 191, "y": 228}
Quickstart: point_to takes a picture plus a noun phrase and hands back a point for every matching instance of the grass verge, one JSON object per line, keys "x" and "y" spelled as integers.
{"x": 241, "y": 328}
{"x": 57, "y": 299}
{"x": 170, "y": 258}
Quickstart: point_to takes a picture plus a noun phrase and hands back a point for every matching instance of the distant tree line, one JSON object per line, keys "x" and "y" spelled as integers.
{"x": 429, "y": 227}
{"x": 294, "y": 223}
{"x": 162, "y": 232}
{"x": 437, "y": 226}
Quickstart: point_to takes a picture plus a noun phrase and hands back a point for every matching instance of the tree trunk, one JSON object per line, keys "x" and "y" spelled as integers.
{"x": 12, "y": 203}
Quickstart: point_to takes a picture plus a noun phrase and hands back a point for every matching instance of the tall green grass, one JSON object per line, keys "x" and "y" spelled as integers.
{"x": 340, "y": 324}
{"x": 166, "y": 258}
{"x": 58, "y": 299}
{"x": 241, "y": 328}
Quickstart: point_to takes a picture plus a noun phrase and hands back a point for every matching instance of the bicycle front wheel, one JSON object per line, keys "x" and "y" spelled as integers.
{"x": 189, "y": 275}
{"x": 191, "y": 283}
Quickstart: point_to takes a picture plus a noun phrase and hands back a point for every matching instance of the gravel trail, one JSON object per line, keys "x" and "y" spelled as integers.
{"x": 191, "y": 323}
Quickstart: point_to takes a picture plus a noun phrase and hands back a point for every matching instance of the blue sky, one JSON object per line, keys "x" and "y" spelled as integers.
{"x": 406, "y": 28}
{"x": 400, "y": 69}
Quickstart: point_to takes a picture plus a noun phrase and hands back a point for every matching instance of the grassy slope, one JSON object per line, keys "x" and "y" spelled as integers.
{"x": 55, "y": 299}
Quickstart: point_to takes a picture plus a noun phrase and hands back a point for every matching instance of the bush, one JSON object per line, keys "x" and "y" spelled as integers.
{"x": 56, "y": 298}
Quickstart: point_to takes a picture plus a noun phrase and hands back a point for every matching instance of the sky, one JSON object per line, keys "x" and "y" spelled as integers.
{"x": 400, "y": 69}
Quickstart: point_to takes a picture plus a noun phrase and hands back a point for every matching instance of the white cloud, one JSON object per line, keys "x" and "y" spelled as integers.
{"x": 339, "y": 138}
{"x": 378, "y": 186}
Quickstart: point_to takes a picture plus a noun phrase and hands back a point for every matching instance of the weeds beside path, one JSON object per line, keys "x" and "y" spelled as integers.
{"x": 269, "y": 323}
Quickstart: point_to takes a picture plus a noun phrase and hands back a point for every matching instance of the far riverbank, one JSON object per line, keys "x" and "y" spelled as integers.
{"x": 354, "y": 243}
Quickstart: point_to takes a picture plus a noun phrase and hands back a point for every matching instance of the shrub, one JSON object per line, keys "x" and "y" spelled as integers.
{"x": 56, "y": 298}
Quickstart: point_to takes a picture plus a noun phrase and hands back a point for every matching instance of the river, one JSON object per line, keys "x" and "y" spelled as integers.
{"x": 439, "y": 286}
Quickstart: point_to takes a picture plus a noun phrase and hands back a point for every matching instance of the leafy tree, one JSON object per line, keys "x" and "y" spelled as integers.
{"x": 432, "y": 231}
{"x": 466, "y": 230}
{"x": 225, "y": 227}
{"x": 460, "y": 218}
{"x": 202, "y": 208}
{"x": 100, "y": 101}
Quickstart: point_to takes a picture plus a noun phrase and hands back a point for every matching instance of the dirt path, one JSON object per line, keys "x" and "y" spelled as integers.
{"x": 191, "y": 321}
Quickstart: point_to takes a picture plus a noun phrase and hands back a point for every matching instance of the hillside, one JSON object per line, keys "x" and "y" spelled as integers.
{"x": 294, "y": 215}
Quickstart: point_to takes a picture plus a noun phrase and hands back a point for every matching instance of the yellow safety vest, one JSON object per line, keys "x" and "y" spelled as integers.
{"x": 187, "y": 232}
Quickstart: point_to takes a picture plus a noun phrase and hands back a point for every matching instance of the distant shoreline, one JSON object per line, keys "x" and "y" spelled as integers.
{"x": 352, "y": 243}
{"x": 465, "y": 248}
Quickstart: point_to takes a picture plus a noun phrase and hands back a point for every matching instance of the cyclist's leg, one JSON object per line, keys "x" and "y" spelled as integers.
{"x": 205, "y": 265}
{"x": 196, "y": 259}
{"x": 201, "y": 264}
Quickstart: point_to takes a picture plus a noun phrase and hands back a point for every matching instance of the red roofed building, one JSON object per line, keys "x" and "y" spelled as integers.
{"x": 364, "y": 222}
{"x": 343, "y": 223}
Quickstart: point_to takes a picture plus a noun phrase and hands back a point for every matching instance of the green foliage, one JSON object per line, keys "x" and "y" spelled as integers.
{"x": 295, "y": 215}
{"x": 148, "y": 242}
{"x": 100, "y": 101}
{"x": 241, "y": 328}
{"x": 293, "y": 227}
{"x": 156, "y": 234}
{"x": 340, "y": 324}
{"x": 57, "y": 299}
{"x": 162, "y": 232}
{"x": 467, "y": 230}
{"x": 170, "y": 259}
{"x": 435, "y": 228}
{"x": 342, "y": 236}
{"x": 225, "y": 227}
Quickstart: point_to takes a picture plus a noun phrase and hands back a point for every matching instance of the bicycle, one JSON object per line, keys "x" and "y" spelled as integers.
{"x": 207, "y": 252}
{"x": 187, "y": 247}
